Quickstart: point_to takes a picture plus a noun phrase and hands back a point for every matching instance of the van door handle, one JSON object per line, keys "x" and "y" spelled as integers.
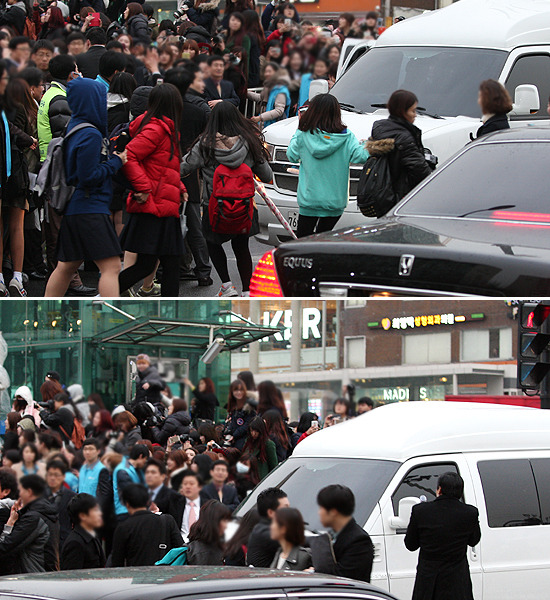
{"x": 473, "y": 553}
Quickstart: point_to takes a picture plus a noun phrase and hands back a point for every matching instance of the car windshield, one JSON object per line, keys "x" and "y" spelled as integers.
{"x": 303, "y": 478}
{"x": 446, "y": 80}
{"x": 462, "y": 189}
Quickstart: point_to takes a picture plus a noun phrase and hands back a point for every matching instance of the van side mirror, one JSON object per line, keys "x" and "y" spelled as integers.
{"x": 404, "y": 513}
{"x": 526, "y": 100}
{"x": 317, "y": 87}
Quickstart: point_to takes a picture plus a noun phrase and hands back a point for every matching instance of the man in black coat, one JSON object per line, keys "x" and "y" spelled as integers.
{"x": 261, "y": 548}
{"x": 352, "y": 547}
{"x": 190, "y": 84}
{"x": 159, "y": 494}
{"x": 218, "y": 490}
{"x": 59, "y": 495}
{"x": 443, "y": 530}
{"x": 216, "y": 88}
{"x": 58, "y": 417}
{"x": 144, "y": 538}
{"x": 8, "y": 497}
{"x": 149, "y": 383}
{"x": 82, "y": 548}
{"x": 88, "y": 62}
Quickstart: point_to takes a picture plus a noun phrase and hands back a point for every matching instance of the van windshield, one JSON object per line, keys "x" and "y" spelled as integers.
{"x": 302, "y": 478}
{"x": 445, "y": 80}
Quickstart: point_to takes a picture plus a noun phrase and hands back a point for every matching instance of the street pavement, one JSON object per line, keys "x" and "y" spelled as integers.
{"x": 188, "y": 289}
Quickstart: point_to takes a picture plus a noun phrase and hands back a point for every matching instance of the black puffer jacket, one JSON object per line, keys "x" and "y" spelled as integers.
{"x": 403, "y": 141}
{"x": 138, "y": 29}
{"x": 156, "y": 384}
{"x": 176, "y": 424}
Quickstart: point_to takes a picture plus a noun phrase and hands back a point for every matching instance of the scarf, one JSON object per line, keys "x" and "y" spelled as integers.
{"x": 278, "y": 89}
{"x": 8, "y": 144}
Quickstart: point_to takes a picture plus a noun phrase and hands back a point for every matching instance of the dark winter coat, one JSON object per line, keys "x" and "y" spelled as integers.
{"x": 118, "y": 111}
{"x": 20, "y": 141}
{"x": 495, "y": 123}
{"x": 153, "y": 167}
{"x": 261, "y": 548}
{"x": 156, "y": 384}
{"x": 159, "y": 532}
{"x": 204, "y": 406}
{"x": 176, "y": 424}
{"x": 199, "y": 553}
{"x": 138, "y": 29}
{"x": 34, "y": 539}
{"x": 230, "y": 498}
{"x": 88, "y": 62}
{"x": 60, "y": 504}
{"x": 205, "y": 15}
{"x": 299, "y": 559}
{"x": 443, "y": 530}
{"x": 61, "y": 421}
{"x": 14, "y": 16}
{"x": 403, "y": 141}
{"x": 237, "y": 425}
{"x": 82, "y": 551}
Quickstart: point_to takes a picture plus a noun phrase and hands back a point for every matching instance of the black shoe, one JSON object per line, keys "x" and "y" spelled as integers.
{"x": 205, "y": 281}
{"x": 36, "y": 275}
{"x": 81, "y": 290}
{"x": 187, "y": 276}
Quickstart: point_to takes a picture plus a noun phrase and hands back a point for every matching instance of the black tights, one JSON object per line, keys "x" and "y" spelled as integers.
{"x": 311, "y": 225}
{"x": 244, "y": 261}
{"x": 145, "y": 265}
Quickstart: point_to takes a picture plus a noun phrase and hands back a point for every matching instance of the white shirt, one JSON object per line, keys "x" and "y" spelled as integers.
{"x": 186, "y": 513}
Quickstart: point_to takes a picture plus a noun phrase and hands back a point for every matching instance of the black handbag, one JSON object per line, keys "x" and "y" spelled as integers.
{"x": 375, "y": 193}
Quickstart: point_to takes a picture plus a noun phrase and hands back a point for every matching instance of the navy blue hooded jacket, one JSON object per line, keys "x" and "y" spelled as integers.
{"x": 85, "y": 166}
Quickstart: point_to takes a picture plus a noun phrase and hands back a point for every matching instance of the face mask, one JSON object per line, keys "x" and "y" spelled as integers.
{"x": 242, "y": 468}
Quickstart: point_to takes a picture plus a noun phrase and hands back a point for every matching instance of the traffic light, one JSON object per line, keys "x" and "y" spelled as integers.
{"x": 534, "y": 346}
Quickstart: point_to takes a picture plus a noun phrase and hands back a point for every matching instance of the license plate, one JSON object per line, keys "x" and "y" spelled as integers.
{"x": 292, "y": 218}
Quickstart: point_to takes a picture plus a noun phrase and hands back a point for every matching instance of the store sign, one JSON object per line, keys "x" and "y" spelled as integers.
{"x": 404, "y": 394}
{"x": 419, "y": 322}
{"x": 311, "y": 323}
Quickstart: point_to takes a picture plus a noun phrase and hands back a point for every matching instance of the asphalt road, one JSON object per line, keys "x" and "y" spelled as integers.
{"x": 188, "y": 289}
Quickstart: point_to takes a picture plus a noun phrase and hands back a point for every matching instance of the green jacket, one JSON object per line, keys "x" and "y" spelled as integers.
{"x": 53, "y": 116}
{"x": 323, "y": 184}
{"x": 264, "y": 468}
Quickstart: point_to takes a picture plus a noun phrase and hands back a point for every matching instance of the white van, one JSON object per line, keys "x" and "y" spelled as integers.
{"x": 391, "y": 459}
{"x": 442, "y": 56}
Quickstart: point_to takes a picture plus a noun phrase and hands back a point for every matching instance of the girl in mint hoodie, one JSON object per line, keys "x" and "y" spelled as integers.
{"x": 324, "y": 148}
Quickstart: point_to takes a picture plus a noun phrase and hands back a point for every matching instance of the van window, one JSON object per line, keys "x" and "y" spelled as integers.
{"x": 510, "y": 493}
{"x": 535, "y": 70}
{"x": 421, "y": 482}
{"x": 302, "y": 478}
{"x": 541, "y": 469}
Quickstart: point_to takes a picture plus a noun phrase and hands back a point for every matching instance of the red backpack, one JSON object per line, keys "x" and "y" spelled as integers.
{"x": 231, "y": 205}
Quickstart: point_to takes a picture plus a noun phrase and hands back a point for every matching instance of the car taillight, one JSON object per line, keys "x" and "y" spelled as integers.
{"x": 265, "y": 281}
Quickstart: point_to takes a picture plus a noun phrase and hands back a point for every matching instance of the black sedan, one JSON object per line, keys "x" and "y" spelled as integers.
{"x": 185, "y": 583}
{"x": 480, "y": 225}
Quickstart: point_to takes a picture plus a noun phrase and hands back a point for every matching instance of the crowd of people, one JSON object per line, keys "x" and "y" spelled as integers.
{"x": 112, "y": 72}
{"x": 82, "y": 486}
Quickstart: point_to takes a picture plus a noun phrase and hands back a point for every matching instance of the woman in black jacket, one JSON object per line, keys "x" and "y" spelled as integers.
{"x": 177, "y": 422}
{"x": 137, "y": 23}
{"x": 398, "y": 137}
{"x": 204, "y": 13}
{"x": 206, "y": 536}
{"x": 205, "y": 401}
{"x": 495, "y": 103}
{"x": 239, "y": 415}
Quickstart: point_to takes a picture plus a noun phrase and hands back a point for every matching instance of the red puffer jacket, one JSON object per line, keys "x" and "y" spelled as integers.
{"x": 151, "y": 170}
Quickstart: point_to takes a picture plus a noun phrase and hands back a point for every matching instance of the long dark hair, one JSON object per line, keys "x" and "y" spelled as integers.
{"x": 247, "y": 377}
{"x": 276, "y": 427}
{"x": 227, "y": 121}
{"x": 19, "y": 92}
{"x": 238, "y": 36}
{"x": 232, "y": 402}
{"x": 124, "y": 84}
{"x": 240, "y": 539}
{"x": 260, "y": 443}
{"x": 207, "y": 528}
{"x": 166, "y": 102}
{"x": 323, "y": 114}
{"x": 270, "y": 397}
{"x": 253, "y": 27}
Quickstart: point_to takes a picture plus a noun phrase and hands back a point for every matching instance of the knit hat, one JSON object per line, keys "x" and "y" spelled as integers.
{"x": 53, "y": 375}
{"x": 27, "y": 424}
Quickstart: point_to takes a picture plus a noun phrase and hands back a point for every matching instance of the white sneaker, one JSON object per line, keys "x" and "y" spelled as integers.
{"x": 228, "y": 290}
{"x": 246, "y": 295}
{"x": 4, "y": 290}
{"x": 17, "y": 289}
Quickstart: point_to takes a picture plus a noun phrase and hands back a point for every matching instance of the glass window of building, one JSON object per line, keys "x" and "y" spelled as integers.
{"x": 432, "y": 348}
{"x": 486, "y": 344}
{"x": 355, "y": 352}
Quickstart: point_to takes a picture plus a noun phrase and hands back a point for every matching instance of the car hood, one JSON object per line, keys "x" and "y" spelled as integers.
{"x": 455, "y": 255}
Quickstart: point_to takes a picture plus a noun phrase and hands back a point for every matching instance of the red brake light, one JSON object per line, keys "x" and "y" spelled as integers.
{"x": 265, "y": 281}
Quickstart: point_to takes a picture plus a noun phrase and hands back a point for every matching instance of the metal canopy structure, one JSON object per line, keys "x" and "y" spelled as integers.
{"x": 194, "y": 335}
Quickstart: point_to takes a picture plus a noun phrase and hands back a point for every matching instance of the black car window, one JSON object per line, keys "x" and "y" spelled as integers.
{"x": 302, "y": 478}
{"x": 510, "y": 493}
{"x": 467, "y": 187}
{"x": 541, "y": 469}
{"x": 421, "y": 482}
{"x": 535, "y": 70}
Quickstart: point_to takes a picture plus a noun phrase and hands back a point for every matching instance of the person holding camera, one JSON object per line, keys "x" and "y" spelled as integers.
{"x": 149, "y": 383}
{"x": 203, "y": 13}
{"x": 137, "y": 23}
{"x": 57, "y": 417}
{"x": 177, "y": 423}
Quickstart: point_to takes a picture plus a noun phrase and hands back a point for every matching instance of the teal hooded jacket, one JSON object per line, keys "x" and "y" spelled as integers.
{"x": 323, "y": 184}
